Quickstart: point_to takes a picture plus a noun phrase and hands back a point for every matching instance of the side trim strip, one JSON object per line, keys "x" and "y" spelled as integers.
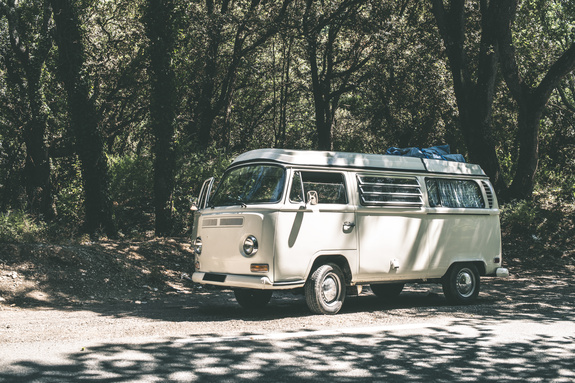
{"x": 291, "y": 283}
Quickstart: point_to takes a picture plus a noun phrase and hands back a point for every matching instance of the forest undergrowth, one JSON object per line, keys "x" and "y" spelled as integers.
{"x": 36, "y": 270}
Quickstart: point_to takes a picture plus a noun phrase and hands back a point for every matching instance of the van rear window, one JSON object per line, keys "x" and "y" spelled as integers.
{"x": 454, "y": 193}
{"x": 389, "y": 191}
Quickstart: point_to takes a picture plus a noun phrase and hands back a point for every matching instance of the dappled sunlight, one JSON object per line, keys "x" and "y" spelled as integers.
{"x": 93, "y": 273}
{"x": 465, "y": 350}
{"x": 475, "y": 342}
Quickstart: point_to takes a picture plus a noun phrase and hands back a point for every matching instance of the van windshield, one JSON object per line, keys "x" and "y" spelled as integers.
{"x": 250, "y": 184}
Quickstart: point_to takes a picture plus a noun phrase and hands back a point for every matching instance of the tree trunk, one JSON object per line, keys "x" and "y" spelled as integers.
{"x": 322, "y": 122}
{"x": 216, "y": 94}
{"x": 207, "y": 111}
{"x": 159, "y": 30}
{"x": 37, "y": 169}
{"x": 206, "y": 114}
{"x": 325, "y": 98}
{"x": 474, "y": 99}
{"x": 84, "y": 120}
{"x": 530, "y": 113}
{"x": 531, "y": 100}
{"x": 319, "y": 86}
{"x": 284, "y": 93}
{"x": 477, "y": 129}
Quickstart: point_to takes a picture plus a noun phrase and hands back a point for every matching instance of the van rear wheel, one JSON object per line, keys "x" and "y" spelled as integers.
{"x": 388, "y": 291}
{"x": 325, "y": 289}
{"x": 461, "y": 284}
{"x": 252, "y": 299}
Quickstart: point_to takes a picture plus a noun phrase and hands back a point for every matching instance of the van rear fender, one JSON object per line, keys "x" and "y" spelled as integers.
{"x": 479, "y": 264}
{"x": 338, "y": 259}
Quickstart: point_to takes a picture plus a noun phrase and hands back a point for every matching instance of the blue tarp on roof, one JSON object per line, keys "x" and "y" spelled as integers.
{"x": 439, "y": 152}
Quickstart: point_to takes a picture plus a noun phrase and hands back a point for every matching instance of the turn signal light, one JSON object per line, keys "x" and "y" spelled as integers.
{"x": 259, "y": 267}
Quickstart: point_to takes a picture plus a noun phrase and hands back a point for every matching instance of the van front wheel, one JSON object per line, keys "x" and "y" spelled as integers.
{"x": 253, "y": 299}
{"x": 325, "y": 290}
{"x": 461, "y": 284}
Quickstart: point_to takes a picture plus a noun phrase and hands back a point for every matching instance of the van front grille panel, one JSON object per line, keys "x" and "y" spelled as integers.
{"x": 231, "y": 221}
{"x": 210, "y": 222}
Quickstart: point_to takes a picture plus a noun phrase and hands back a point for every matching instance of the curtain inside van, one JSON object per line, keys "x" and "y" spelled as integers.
{"x": 454, "y": 193}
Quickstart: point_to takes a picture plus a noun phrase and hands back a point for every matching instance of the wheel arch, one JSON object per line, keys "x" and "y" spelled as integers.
{"x": 337, "y": 259}
{"x": 480, "y": 265}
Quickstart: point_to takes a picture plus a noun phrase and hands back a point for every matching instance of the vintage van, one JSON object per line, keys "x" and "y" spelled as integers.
{"x": 328, "y": 223}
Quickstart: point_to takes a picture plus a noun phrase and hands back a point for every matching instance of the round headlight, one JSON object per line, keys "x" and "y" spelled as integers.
{"x": 198, "y": 245}
{"x": 250, "y": 245}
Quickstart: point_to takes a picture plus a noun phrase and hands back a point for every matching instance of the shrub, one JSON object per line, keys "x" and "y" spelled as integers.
{"x": 193, "y": 169}
{"x": 131, "y": 190}
{"x": 519, "y": 217}
{"x": 17, "y": 226}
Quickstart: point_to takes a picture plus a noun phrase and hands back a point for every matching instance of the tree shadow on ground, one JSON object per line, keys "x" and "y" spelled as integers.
{"x": 144, "y": 279}
{"x": 544, "y": 298}
{"x": 466, "y": 351}
{"x": 43, "y": 275}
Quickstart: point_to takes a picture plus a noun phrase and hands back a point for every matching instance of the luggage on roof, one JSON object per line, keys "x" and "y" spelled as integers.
{"x": 439, "y": 152}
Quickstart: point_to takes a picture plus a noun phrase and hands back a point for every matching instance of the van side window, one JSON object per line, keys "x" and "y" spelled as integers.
{"x": 296, "y": 192}
{"x": 389, "y": 191}
{"x": 330, "y": 187}
{"x": 454, "y": 193}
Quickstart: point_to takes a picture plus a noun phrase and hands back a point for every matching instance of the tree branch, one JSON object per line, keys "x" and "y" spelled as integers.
{"x": 560, "y": 68}
{"x": 13, "y": 27}
{"x": 507, "y": 60}
{"x": 568, "y": 104}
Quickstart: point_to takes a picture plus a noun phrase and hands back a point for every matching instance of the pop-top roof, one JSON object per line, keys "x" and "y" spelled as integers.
{"x": 358, "y": 160}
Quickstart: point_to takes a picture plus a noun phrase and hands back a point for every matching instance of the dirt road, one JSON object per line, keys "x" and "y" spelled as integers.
{"x": 152, "y": 340}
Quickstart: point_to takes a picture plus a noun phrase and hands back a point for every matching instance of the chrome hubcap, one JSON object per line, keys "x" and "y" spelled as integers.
{"x": 329, "y": 289}
{"x": 465, "y": 283}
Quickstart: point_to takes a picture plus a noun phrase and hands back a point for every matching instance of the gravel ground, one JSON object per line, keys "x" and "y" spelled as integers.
{"x": 111, "y": 290}
{"x": 206, "y": 312}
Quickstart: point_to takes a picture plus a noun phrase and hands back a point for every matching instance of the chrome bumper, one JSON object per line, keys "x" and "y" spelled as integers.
{"x": 501, "y": 272}
{"x": 244, "y": 281}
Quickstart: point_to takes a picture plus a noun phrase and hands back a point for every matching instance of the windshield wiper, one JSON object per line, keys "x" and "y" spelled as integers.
{"x": 230, "y": 201}
{"x": 241, "y": 202}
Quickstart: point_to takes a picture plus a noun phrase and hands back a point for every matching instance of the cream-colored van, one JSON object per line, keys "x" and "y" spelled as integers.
{"x": 330, "y": 222}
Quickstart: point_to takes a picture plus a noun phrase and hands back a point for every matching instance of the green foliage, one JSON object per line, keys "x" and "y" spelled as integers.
{"x": 543, "y": 30}
{"x": 69, "y": 201}
{"x": 131, "y": 187}
{"x": 558, "y": 184}
{"x": 520, "y": 217}
{"x": 18, "y": 226}
{"x": 539, "y": 220}
{"x": 539, "y": 229}
{"x": 258, "y": 93}
{"x": 193, "y": 170}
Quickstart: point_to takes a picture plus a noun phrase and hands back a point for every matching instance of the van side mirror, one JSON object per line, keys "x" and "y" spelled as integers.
{"x": 312, "y": 197}
{"x": 194, "y": 204}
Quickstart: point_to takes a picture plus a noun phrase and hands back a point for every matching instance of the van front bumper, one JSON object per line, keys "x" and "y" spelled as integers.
{"x": 244, "y": 281}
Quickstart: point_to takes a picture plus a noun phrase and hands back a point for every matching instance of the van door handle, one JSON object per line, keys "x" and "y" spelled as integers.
{"x": 348, "y": 225}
